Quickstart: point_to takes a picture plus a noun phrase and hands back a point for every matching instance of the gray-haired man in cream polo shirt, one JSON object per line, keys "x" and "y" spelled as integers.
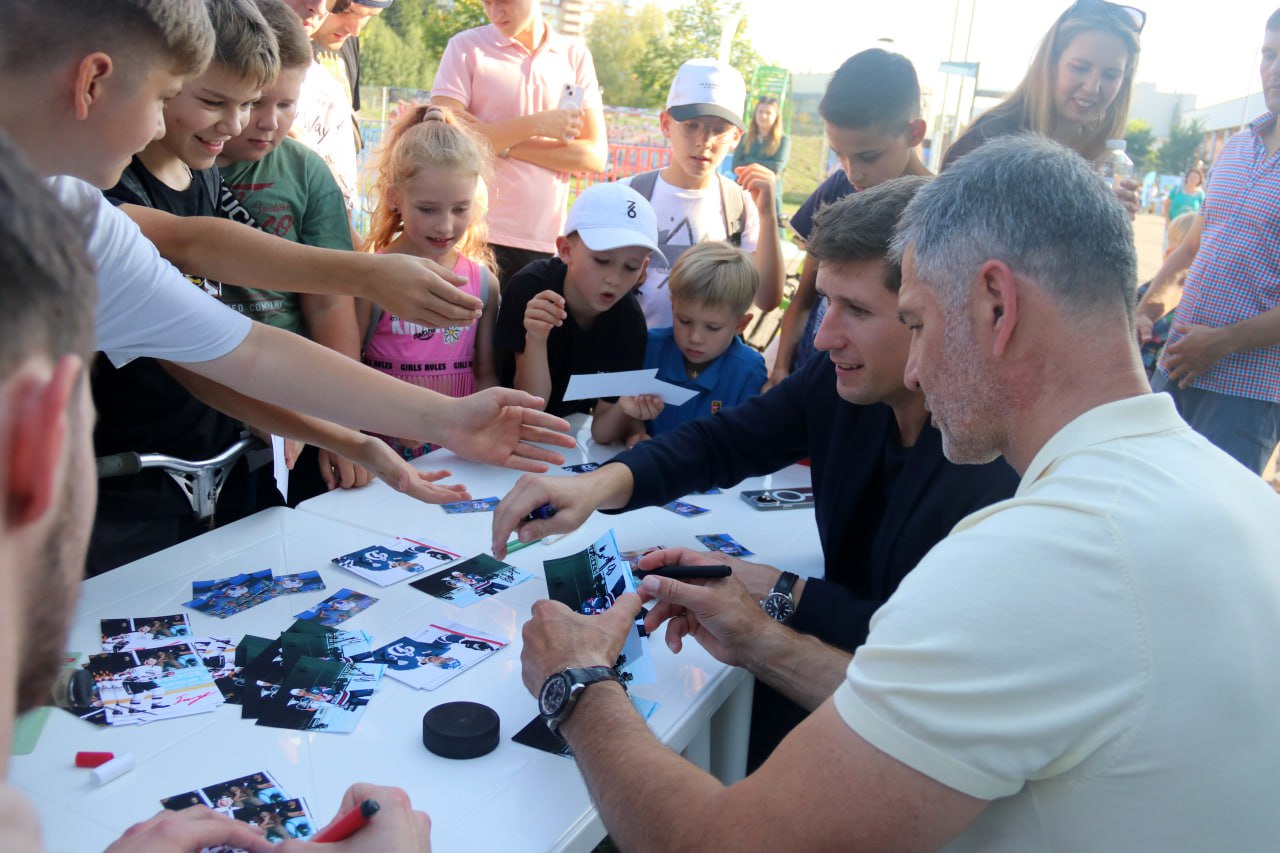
{"x": 1087, "y": 666}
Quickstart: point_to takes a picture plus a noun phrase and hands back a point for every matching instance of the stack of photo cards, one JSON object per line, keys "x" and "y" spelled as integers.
{"x": 219, "y": 657}
{"x": 225, "y": 597}
{"x": 436, "y": 654}
{"x": 322, "y": 695}
{"x": 386, "y": 563}
{"x": 144, "y": 685}
{"x": 311, "y": 677}
{"x": 145, "y": 632}
{"x": 589, "y": 582}
{"x": 337, "y": 608}
{"x": 256, "y": 799}
{"x": 465, "y": 583}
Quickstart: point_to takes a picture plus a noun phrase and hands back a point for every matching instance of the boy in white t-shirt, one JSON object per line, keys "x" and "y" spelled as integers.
{"x": 703, "y": 121}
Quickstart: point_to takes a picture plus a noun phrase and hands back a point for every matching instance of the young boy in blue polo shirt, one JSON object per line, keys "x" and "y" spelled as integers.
{"x": 711, "y": 286}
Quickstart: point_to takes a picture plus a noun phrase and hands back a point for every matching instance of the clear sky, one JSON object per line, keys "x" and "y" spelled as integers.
{"x": 1208, "y": 48}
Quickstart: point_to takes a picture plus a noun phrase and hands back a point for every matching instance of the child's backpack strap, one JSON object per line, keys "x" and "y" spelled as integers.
{"x": 644, "y": 183}
{"x": 732, "y": 206}
{"x": 375, "y": 314}
{"x": 734, "y": 210}
{"x": 133, "y": 184}
{"x": 485, "y": 275}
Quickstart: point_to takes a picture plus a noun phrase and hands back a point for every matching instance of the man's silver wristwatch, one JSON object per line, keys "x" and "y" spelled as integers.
{"x": 780, "y": 604}
{"x": 560, "y": 691}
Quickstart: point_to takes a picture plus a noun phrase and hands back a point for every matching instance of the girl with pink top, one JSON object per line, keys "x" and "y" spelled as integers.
{"x": 429, "y": 201}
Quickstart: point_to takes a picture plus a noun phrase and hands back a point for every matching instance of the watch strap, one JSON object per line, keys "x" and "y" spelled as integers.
{"x": 786, "y": 583}
{"x": 580, "y": 678}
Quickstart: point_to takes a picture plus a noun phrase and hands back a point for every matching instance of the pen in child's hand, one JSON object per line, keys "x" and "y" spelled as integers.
{"x": 346, "y": 826}
{"x": 542, "y": 513}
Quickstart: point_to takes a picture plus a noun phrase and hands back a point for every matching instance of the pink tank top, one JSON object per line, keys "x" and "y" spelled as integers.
{"x": 439, "y": 359}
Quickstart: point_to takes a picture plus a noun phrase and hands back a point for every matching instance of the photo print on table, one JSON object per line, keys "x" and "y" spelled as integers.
{"x": 338, "y": 608}
{"x": 389, "y": 562}
{"x": 322, "y": 695}
{"x": 149, "y": 684}
{"x": 437, "y": 653}
{"x": 465, "y": 583}
{"x": 725, "y": 544}
{"x": 144, "y": 632}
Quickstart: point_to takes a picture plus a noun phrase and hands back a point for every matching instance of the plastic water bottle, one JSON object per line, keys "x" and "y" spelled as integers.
{"x": 1115, "y": 165}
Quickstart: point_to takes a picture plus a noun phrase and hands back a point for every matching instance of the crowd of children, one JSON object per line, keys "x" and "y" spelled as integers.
{"x": 659, "y": 271}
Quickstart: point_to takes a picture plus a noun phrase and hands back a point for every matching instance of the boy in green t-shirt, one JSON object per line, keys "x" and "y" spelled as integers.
{"x": 284, "y": 188}
{"x": 287, "y": 190}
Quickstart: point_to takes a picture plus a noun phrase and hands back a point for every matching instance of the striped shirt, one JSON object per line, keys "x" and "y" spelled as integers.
{"x": 1236, "y": 273}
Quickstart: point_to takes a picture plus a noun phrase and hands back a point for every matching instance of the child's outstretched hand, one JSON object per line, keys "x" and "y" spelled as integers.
{"x": 543, "y": 313}
{"x": 644, "y": 407}
{"x": 760, "y": 182}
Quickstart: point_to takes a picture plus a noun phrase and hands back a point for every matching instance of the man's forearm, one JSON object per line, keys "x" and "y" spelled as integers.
{"x": 624, "y": 764}
{"x": 803, "y": 668}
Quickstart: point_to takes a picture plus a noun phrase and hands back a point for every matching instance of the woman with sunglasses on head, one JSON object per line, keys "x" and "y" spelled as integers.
{"x": 766, "y": 144}
{"x": 1077, "y": 89}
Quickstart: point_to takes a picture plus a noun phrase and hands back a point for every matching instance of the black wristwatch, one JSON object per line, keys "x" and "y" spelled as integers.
{"x": 780, "y": 603}
{"x": 560, "y": 691}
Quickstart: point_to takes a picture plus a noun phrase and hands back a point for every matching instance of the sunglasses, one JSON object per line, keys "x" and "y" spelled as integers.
{"x": 1135, "y": 17}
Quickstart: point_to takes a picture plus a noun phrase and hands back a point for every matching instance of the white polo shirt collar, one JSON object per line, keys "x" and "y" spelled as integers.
{"x": 1145, "y": 414}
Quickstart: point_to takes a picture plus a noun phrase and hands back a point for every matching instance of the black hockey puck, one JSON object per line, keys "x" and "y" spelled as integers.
{"x": 460, "y": 730}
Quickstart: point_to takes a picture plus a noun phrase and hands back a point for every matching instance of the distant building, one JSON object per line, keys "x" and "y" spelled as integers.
{"x": 1222, "y": 121}
{"x": 1158, "y": 109}
{"x": 573, "y": 17}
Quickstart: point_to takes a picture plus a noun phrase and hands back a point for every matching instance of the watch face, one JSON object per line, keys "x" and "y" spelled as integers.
{"x": 777, "y": 605}
{"x": 555, "y": 692}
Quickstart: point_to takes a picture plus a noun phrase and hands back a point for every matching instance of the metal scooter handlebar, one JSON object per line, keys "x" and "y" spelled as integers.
{"x": 200, "y": 480}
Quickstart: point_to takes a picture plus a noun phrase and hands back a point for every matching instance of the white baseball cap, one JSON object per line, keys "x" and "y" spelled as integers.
{"x": 611, "y": 216}
{"x": 704, "y": 87}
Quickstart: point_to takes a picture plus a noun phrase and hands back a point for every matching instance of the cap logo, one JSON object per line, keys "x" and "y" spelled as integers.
{"x": 631, "y": 210}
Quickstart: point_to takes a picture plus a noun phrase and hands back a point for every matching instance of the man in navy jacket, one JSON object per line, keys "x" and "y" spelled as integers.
{"x": 884, "y": 493}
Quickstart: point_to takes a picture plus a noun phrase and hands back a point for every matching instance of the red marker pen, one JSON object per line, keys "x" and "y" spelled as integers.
{"x": 346, "y": 825}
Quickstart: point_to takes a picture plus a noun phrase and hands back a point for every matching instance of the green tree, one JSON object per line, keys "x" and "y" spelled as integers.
{"x": 444, "y": 22}
{"x": 403, "y": 46}
{"x": 388, "y": 58}
{"x": 617, "y": 40}
{"x": 1178, "y": 153}
{"x": 1138, "y": 138}
{"x": 693, "y": 31}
